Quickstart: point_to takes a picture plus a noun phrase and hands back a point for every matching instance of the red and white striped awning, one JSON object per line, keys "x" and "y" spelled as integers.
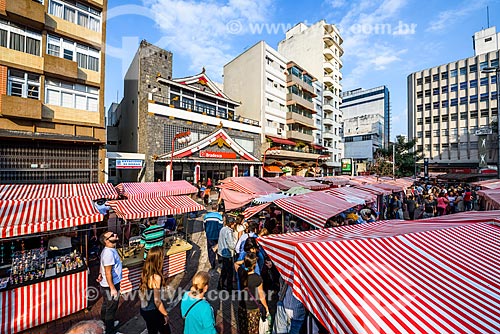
{"x": 253, "y": 210}
{"x": 154, "y": 207}
{"x": 315, "y": 207}
{"x": 395, "y": 276}
{"x": 248, "y": 185}
{"x": 313, "y": 185}
{"x": 155, "y": 189}
{"x": 20, "y": 217}
{"x": 374, "y": 189}
{"x": 281, "y": 183}
{"x": 93, "y": 191}
{"x": 353, "y": 195}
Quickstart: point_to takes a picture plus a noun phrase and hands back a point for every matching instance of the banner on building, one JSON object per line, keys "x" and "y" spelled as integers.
{"x": 217, "y": 155}
{"x": 346, "y": 166}
{"x": 482, "y": 150}
{"x": 426, "y": 169}
{"x": 128, "y": 164}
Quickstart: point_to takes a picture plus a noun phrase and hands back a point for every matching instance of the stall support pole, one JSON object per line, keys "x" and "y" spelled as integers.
{"x": 282, "y": 222}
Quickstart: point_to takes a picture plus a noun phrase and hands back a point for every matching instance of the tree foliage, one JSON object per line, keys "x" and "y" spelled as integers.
{"x": 405, "y": 157}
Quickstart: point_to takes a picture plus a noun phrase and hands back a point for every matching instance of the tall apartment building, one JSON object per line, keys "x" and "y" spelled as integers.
{"x": 52, "y": 91}
{"x": 318, "y": 48}
{"x": 284, "y": 96}
{"x": 366, "y": 114}
{"x": 451, "y": 108}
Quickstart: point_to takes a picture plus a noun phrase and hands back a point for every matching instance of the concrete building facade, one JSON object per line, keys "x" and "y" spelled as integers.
{"x": 52, "y": 91}
{"x": 451, "y": 108}
{"x": 366, "y": 114}
{"x": 156, "y": 108}
{"x": 318, "y": 48}
{"x": 287, "y": 99}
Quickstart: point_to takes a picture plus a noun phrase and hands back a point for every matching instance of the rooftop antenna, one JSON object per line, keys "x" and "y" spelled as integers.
{"x": 488, "y": 15}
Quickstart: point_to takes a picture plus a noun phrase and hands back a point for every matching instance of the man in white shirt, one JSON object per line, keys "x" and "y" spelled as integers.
{"x": 110, "y": 276}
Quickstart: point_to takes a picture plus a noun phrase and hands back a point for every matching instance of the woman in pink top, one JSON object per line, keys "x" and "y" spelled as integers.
{"x": 442, "y": 203}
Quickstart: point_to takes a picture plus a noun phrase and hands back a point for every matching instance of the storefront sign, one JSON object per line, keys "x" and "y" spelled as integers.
{"x": 217, "y": 155}
{"x": 128, "y": 164}
{"x": 346, "y": 167}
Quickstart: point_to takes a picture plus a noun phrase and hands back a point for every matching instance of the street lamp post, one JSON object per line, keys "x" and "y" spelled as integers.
{"x": 182, "y": 138}
{"x": 496, "y": 70}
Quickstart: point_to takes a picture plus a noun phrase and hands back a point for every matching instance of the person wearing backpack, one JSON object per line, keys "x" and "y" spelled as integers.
{"x": 197, "y": 313}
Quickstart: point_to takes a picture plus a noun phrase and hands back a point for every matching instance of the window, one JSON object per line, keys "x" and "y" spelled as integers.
{"x": 428, "y": 79}
{"x": 484, "y": 81}
{"x": 454, "y": 117}
{"x": 419, "y": 121}
{"x": 80, "y": 14}
{"x": 427, "y": 93}
{"x": 420, "y": 148}
{"x": 419, "y": 81}
{"x": 435, "y": 91}
{"x": 436, "y": 133}
{"x": 484, "y": 97}
{"x": 483, "y": 65}
{"x": 420, "y": 94}
{"x": 453, "y": 73}
{"x": 427, "y": 106}
{"x": 86, "y": 57}
{"x": 427, "y": 120}
{"x": 435, "y": 77}
{"x": 435, "y": 105}
{"x": 463, "y": 115}
{"x": 427, "y": 134}
{"x": 444, "y": 118}
{"x": 445, "y": 146}
{"x": 420, "y": 107}
{"x": 494, "y": 63}
{"x": 419, "y": 134}
{"x": 473, "y": 98}
{"x": 493, "y": 79}
{"x": 454, "y": 102}
{"x": 435, "y": 147}
{"x": 427, "y": 147}
{"x": 473, "y": 114}
{"x": 485, "y": 113}
{"x": 70, "y": 95}
{"x": 454, "y": 132}
{"x": 473, "y": 83}
{"x": 444, "y": 104}
{"x": 463, "y": 100}
{"x": 435, "y": 119}
{"x": 444, "y": 89}
{"x": 493, "y": 95}
{"x": 464, "y": 131}
{"x": 463, "y": 70}
{"x": 454, "y": 146}
{"x": 453, "y": 88}
{"x": 444, "y": 75}
{"x": 473, "y": 68}
{"x": 463, "y": 85}
{"x": 445, "y": 132}
{"x": 20, "y": 38}
{"x": 23, "y": 84}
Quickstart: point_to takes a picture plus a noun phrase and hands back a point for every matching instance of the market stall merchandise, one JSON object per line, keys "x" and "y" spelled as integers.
{"x": 38, "y": 286}
{"x": 426, "y": 276}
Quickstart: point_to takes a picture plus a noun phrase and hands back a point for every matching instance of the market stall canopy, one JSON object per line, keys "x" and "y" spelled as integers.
{"x": 137, "y": 190}
{"x": 298, "y": 190}
{"x": 273, "y": 169}
{"x": 315, "y": 207}
{"x": 353, "y": 195}
{"x": 234, "y": 199}
{"x": 154, "y": 207}
{"x": 313, "y": 185}
{"x": 395, "y": 276}
{"x": 491, "y": 197}
{"x": 94, "y": 191}
{"x": 21, "y": 217}
{"x": 253, "y": 210}
{"x": 334, "y": 180}
{"x": 269, "y": 198}
{"x": 248, "y": 185}
{"x": 488, "y": 184}
{"x": 281, "y": 183}
{"x": 374, "y": 189}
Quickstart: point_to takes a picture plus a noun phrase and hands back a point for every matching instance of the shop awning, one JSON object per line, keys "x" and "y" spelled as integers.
{"x": 315, "y": 207}
{"x": 282, "y": 141}
{"x": 248, "y": 185}
{"x": 319, "y": 147}
{"x": 253, "y": 210}
{"x": 395, "y": 276}
{"x": 21, "y": 217}
{"x": 154, "y": 207}
{"x": 155, "y": 189}
{"x": 93, "y": 191}
{"x": 353, "y": 195}
{"x": 273, "y": 169}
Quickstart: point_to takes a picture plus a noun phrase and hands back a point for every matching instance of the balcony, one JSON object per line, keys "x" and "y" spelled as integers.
{"x": 328, "y": 80}
{"x": 292, "y": 79}
{"x": 292, "y": 117}
{"x": 295, "y": 99}
{"x": 328, "y": 121}
{"x": 20, "y": 107}
{"x": 297, "y": 135}
{"x": 328, "y": 53}
{"x": 26, "y": 12}
{"x": 328, "y": 67}
{"x": 328, "y": 134}
{"x": 60, "y": 66}
{"x": 328, "y": 94}
{"x": 328, "y": 39}
{"x": 328, "y": 107}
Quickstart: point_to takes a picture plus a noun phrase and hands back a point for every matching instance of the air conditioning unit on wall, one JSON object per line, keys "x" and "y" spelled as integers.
{"x": 280, "y": 131}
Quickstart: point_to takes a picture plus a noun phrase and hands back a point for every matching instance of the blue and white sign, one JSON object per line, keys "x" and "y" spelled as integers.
{"x": 128, "y": 164}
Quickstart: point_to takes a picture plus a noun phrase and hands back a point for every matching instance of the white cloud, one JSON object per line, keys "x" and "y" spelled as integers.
{"x": 336, "y": 3}
{"x": 203, "y": 31}
{"x": 447, "y": 18}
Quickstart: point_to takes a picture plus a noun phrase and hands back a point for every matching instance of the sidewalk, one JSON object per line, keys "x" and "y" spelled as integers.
{"x": 128, "y": 311}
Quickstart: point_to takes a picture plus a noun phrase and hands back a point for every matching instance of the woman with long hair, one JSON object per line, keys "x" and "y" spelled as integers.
{"x": 152, "y": 281}
{"x": 252, "y": 292}
{"x": 195, "y": 310}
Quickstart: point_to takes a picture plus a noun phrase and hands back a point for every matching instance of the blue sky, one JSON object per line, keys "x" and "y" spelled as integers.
{"x": 384, "y": 40}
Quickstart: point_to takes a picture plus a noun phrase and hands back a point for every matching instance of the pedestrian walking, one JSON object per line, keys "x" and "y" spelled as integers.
{"x": 195, "y": 310}
{"x": 225, "y": 251}
{"x": 212, "y": 223}
{"x": 152, "y": 282}
{"x": 110, "y": 276}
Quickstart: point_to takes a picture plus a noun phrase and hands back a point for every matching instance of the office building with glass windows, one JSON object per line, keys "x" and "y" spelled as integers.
{"x": 52, "y": 91}
{"x": 452, "y": 109}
